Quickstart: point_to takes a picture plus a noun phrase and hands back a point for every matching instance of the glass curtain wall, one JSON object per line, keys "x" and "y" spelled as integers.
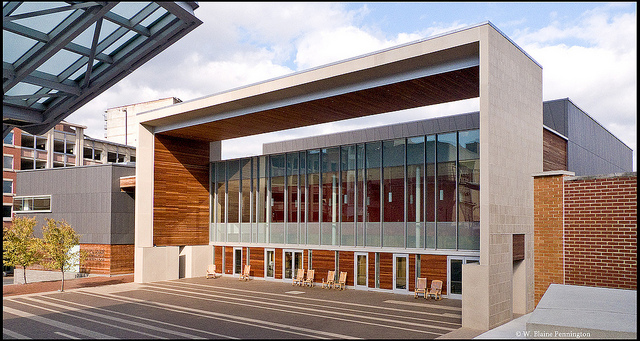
{"x": 373, "y": 154}
{"x": 393, "y": 159}
{"x": 276, "y": 226}
{"x": 330, "y": 177}
{"x": 348, "y": 195}
{"x": 415, "y": 192}
{"x": 420, "y": 192}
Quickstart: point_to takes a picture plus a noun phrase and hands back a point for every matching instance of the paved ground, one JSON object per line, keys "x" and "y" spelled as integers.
{"x": 224, "y": 308}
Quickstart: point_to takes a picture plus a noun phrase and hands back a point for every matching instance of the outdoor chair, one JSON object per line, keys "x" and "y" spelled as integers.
{"x": 331, "y": 279}
{"x": 299, "y": 278}
{"x": 421, "y": 288}
{"x": 342, "y": 282}
{"x": 211, "y": 271}
{"x": 310, "y": 275}
{"x": 245, "y": 274}
{"x": 436, "y": 290}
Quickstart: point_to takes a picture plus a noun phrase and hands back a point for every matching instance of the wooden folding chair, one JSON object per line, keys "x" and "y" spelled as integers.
{"x": 342, "y": 282}
{"x": 211, "y": 271}
{"x": 421, "y": 288}
{"x": 245, "y": 273}
{"x": 310, "y": 275}
{"x": 299, "y": 278}
{"x": 331, "y": 280}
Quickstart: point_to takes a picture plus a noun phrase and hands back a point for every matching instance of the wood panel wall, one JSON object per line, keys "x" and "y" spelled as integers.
{"x": 218, "y": 251}
{"x": 181, "y": 192}
{"x": 228, "y": 260}
{"x": 107, "y": 259}
{"x": 434, "y": 267}
{"x": 412, "y": 273}
{"x": 346, "y": 263}
{"x": 256, "y": 259}
{"x": 323, "y": 261}
{"x": 278, "y": 264}
{"x": 372, "y": 269}
{"x": 554, "y": 152}
{"x": 386, "y": 270}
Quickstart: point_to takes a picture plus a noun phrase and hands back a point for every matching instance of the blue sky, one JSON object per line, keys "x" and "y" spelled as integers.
{"x": 588, "y": 52}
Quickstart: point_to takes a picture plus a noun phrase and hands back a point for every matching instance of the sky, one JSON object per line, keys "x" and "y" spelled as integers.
{"x": 588, "y": 52}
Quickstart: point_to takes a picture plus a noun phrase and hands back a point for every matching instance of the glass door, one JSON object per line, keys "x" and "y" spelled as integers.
{"x": 237, "y": 261}
{"x": 400, "y": 272}
{"x": 361, "y": 270}
{"x": 454, "y": 275}
{"x": 292, "y": 262}
{"x": 269, "y": 264}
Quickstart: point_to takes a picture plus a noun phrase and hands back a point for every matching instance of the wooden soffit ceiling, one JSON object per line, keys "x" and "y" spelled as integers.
{"x": 429, "y": 90}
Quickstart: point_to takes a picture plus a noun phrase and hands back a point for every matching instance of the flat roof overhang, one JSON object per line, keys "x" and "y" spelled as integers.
{"x": 412, "y": 75}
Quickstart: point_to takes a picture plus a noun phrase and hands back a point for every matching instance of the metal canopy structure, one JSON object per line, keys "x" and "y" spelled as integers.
{"x": 57, "y": 56}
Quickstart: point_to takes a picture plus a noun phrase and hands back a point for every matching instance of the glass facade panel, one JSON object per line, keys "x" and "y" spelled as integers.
{"x": 330, "y": 193}
{"x": 446, "y": 191}
{"x": 293, "y": 202}
{"x": 415, "y": 192}
{"x": 469, "y": 190}
{"x": 393, "y": 156}
{"x": 372, "y": 201}
{"x": 420, "y": 192}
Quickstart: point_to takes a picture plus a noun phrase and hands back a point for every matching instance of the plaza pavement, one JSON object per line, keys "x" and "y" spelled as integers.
{"x": 225, "y": 308}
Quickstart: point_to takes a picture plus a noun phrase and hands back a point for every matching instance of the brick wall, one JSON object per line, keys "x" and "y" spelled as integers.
{"x": 585, "y": 231}
{"x": 601, "y": 231}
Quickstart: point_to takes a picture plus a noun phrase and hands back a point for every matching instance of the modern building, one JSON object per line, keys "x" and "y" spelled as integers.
{"x": 121, "y": 123}
{"x": 95, "y": 201}
{"x": 449, "y": 198}
{"x": 63, "y": 146}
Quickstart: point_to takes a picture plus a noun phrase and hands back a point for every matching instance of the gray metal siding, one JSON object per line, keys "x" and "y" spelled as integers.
{"x": 85, "y": 198}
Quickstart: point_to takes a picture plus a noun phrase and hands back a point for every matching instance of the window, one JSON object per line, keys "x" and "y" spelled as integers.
{"x": 7, "y": 186}
{"x": 9, "y": 138}
{"x": 7, "y": 162}
{"x": 6, "y": 212}
{"x": 32, "y": 204}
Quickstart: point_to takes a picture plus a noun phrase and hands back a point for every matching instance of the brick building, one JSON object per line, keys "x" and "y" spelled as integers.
{"x": 585, "y": 230}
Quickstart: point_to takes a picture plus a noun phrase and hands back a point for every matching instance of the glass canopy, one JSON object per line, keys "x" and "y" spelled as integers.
{"x": 57, "y": 56}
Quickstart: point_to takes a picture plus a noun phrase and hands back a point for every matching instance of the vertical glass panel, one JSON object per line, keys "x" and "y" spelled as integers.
{"x": 360, "y": 197}
{"x": 270, "y": 260}
{"x": 361, "y": 269}
{"x": 469, "y": 190}
{"x": 213, "y": 202}
{"x": 237, "y": 261}
{"x": 297, "y": 261}
{"x": 401, "y": 272}
{"x": 372, "y": 201}
{"x": 415, "y": 192}
{"x": 303, "y": 198}
{"x": 245, "y": 203}
{"x": 220, "y": 210}
{"x": 430, "y": 192}
{"x": 276, "y": 225}
{"x": 455, "y": 287}
{"x": 288, "y": 262}
{"x": 233, "y": 204}
{"x": 393, "y": 156}
{"x": 313, "y": 197}
{"x": 293, "y": 203}
{"x": 261, "y": 198}
{"x": 330, "y": 191}
{"x": 446, "y": 191}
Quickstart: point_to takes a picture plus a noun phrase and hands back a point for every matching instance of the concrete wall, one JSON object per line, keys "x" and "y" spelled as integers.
{"x": 510, "y": 151}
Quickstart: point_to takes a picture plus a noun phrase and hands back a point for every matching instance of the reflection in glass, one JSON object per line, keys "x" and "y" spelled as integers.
{"x": 348, "y": 194}
{"x": 393, "y": 156}
{"x": 469, "y": 190}
{"x": 415, "y": 192}
{"x": 330, "y": 159}
{"x": 446, "y": 191}
{"x": 277, "y": 198}
{"x": 372, "y": 201}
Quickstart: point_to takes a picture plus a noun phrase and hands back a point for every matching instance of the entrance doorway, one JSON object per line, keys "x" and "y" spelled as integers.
{"x": 237, "y": 261}
{"x": 361, "y": 261}
{"x": 292, "y": 262}
{"x": 454, "y": 274}
{"x": 269, "y": 264}
{"x": 400, "y": 273}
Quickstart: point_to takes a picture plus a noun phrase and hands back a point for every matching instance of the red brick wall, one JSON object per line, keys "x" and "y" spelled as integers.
{"x": 601, "y": 232}
{"x": 597, "y": 218}
{"x": 548, "y": 233}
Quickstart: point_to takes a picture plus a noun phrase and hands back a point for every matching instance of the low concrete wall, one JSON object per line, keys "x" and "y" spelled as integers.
{"x": 154, "y": 264}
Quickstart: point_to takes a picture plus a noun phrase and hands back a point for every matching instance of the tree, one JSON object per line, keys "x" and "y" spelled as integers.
{"x": 19, "y": 245}
{"x": 58, "y": 241}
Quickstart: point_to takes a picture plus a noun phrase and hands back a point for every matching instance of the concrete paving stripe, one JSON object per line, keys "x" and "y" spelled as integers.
{"x": 67, "y": 336}
{"x": 39, "y": 306}
{"x": 146, "y": 319}
{"x": 319, "y": 313}
{"x": 335, "y": 305}
{"x": 403, "y": 319}
{"x": 427, "y": 305}
{"x": 262, "y": 295}
{"x": 57, "y": 324}
{"x": 11, "y": 333}
{"x": 84, "y": 309}
{"x": 228, "y": 318}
